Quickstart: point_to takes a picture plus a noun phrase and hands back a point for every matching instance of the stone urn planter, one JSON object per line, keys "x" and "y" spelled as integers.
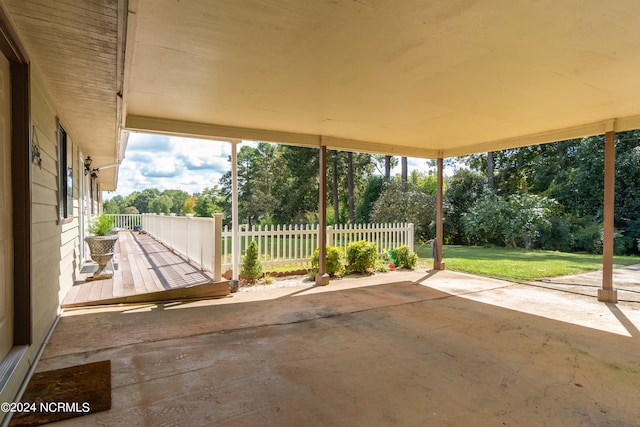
{"x": 102, "y": 246}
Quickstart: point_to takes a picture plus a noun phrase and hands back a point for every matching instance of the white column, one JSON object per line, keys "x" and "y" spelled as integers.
{"x": 235, "y": 239}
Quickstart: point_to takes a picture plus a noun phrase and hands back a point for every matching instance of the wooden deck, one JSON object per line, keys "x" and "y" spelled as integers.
{"x": 144, "y": 271}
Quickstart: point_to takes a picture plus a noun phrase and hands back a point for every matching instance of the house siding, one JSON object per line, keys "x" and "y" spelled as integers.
{"x": 55, "y": 247}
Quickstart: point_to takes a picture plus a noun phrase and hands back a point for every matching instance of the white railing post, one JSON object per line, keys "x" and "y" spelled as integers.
{"x": 217, "y": 247}
{"x": 410, "y": 232}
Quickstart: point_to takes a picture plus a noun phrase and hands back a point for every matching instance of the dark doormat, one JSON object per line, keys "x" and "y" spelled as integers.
{"x": 65, "y": 393}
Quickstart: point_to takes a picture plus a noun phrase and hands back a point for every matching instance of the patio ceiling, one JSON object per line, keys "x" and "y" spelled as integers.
{"x": 413, "y": 77}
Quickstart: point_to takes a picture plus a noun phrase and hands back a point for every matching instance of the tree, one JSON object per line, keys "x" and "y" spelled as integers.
{"x": 130, "y": 210}
{"x": 516, "y": 221}
{"x": 115, "y": 205}
{"x": 335, "y": 160}
{"x": 398, "y": 205}
{"x": 260, "y": 176}
{"x": 207, "y": 202}
{"x": 178, "y": 198}
{"x": 375, "y": 186}
{"x": 160, "y": 204}
{"x": 461, "y": 194}
{"x": 490, "y": 171}
{"x": 352, "y": 215}
{"x": 188, "y": 207}
{"x": 299, "y": 193}
{"x": 141, "y": 199}
{"x": 251, "y": 266}
{"x": 404, "y": 171}
{"x": 387, "y": 167}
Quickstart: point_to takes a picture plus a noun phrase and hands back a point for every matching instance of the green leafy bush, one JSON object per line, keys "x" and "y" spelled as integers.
{"x": 381, "y": 266}
{"x": 101, "y": 225}
{"x": 335, "y": 260}
{"x": 251, "y": 266}
{"x": 405, "y": 257}
{"x": 514, "y": 221}
{"x": 589, "y": 239}
{"x": 361, "y": 256}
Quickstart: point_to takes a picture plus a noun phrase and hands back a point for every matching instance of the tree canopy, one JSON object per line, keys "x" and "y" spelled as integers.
{"x": 548, "y": 196}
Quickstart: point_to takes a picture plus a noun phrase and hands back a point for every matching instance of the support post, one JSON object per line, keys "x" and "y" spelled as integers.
{"x": 438, "y": 264}
{"x": 235, "y": 227}
{"x": 217, "y": 247}
{"x": 322, "y": 278}
{"x": 607, "y": 293}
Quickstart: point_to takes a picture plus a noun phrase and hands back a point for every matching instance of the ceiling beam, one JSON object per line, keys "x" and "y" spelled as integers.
{"x": 590, "y": 129}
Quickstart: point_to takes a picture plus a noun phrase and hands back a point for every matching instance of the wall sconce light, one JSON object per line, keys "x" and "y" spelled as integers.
{"x": 87, "y": 165}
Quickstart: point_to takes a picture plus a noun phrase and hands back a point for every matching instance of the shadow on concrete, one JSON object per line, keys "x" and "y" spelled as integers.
{"x": 396, "y": 354}
{"x": 624, "y": 320}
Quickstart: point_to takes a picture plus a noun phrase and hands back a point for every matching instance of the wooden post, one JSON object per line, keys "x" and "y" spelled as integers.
{"x": 438, "y": 264}
{"x": 607, "y": 293}
{"x": 322, "y": 278}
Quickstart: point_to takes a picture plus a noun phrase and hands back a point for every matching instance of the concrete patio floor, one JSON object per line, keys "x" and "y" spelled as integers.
{"x": 430, "y": 349}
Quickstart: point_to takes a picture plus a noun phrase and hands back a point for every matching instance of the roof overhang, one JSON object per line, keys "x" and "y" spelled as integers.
{"x": 78, "y": 48}
{"x": 418, "y": 78}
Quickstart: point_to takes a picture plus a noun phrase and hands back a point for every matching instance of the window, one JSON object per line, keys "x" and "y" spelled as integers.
{"x": 65, "y": 176}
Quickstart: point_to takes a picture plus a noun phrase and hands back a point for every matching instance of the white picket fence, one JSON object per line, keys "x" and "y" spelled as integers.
{"x": 295, "y": 244}
{"x": 292, "y": 245}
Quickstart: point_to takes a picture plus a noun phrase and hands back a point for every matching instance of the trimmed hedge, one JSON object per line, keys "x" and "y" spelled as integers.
{"x": 361, "y": 256}
{"x": 335, "y": 260}
{"x": 405, "y": 257}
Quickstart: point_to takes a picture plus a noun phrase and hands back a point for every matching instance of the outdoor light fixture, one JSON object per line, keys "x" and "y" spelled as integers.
{"x": 87, "y": 165}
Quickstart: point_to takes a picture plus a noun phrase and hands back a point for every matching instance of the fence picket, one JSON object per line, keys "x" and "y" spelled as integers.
{"x": 277, "y": 244}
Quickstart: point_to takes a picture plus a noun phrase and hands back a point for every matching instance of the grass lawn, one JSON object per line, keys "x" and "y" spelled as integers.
{"x": 520, "y": 264}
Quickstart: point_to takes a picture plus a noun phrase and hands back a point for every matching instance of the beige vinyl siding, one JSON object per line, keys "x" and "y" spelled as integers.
{"x": 55, "y": 247}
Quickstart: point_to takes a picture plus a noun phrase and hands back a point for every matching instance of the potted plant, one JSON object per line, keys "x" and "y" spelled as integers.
{"x": 101, "y": 246}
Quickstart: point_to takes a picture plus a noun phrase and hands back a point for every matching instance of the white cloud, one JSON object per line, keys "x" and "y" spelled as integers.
{"x": 168, "y": 162}
{"x": 164, "y": 162}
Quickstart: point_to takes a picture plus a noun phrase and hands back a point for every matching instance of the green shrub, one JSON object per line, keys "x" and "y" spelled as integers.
{"x": 556, "y": 237}
{"x": 251, "y": 266}
{"x": 589, "y": 239}
{"x": 361, "y": 256}
{"x": 381, "y": 266}
{"x": 335, "y": 260}
{"x": 101, "y": 225}
{"x": 405, "y": 257}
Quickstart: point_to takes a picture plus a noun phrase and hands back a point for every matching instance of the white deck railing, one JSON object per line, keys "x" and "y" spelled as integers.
{"x": 125, "y": 221}
{"x": 277, "y": 245}
{"x": 193, "y": 238}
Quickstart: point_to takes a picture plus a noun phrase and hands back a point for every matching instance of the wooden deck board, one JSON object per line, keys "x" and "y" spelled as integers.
{"x": 145, "y": 271}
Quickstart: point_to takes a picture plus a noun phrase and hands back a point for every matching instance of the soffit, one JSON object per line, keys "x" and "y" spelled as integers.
{"x": 74, "y": 44}
{"x": 418, "y": 77}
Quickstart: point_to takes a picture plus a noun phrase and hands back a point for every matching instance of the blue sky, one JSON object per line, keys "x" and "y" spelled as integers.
{"x": 170, "y": 162}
